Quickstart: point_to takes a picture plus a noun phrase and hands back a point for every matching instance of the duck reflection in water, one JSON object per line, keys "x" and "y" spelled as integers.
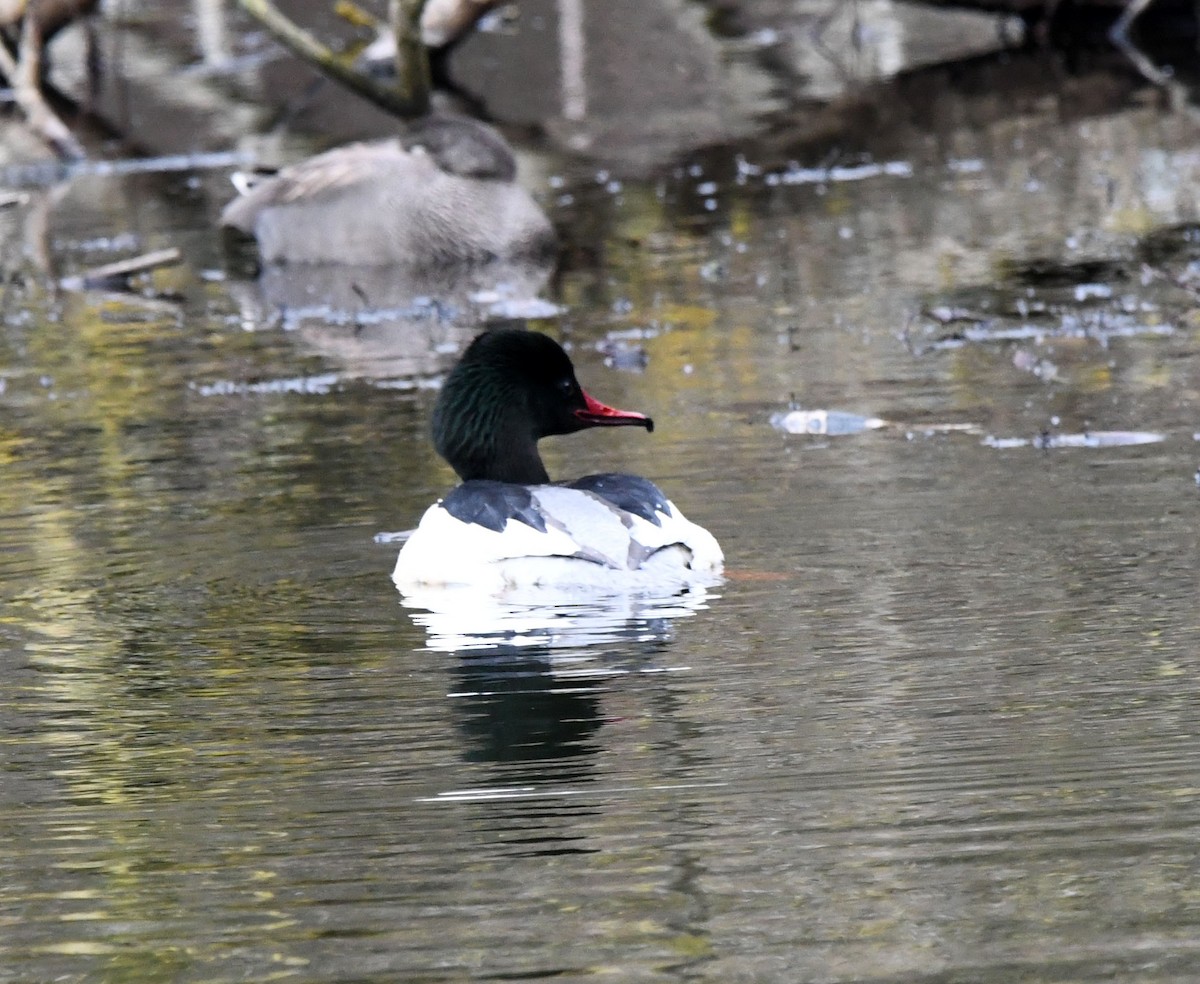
{"x": 514, "y": 709}
{"x": 531, "y": 691}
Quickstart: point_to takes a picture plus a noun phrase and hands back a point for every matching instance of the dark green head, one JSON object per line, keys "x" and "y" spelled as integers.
{"x": 510, "y": 389}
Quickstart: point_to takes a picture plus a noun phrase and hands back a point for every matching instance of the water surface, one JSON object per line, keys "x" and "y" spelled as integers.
{"x": 939, "y": 724}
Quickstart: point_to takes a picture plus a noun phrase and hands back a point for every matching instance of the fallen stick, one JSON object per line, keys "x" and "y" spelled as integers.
{"x": 117, "y": 274}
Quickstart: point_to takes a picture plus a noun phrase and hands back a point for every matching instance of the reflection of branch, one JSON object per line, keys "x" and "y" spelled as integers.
{"x": 1119, "y": 36}
{"x": 23, "y": 75}
{"x": 1163, "y": 77}
{"x": 410, "y": 97}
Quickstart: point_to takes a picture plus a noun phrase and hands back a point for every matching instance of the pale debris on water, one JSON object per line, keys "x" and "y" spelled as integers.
{"x": 794, "y": 174}
{"x": 321, "y": 384}
{"x": 618, "y": 353}
{"x": 529, "y": 308}
{"x": 829, "y": 422}
{"x": 1088, "y": 439}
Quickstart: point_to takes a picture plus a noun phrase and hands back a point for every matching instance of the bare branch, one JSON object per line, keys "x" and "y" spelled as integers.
{"x": 410, "y": 98}
{"x": 24, "y": 74}
{"x": 412, "y": 57}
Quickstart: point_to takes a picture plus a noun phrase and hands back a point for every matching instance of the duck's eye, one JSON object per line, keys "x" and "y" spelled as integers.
{"x": 566, "y": 387}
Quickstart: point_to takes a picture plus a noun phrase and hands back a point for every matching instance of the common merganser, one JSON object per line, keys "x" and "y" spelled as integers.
{"x": 507, "y": 526}
{"x": 444, "y": 192}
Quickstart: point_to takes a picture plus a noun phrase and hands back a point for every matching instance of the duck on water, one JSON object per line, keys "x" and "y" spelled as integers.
{"x": 444, "y": 192}
{"x": 507, "y": 525}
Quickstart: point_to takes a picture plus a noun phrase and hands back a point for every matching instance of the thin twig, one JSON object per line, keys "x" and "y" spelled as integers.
{"x": 119, "y": 272}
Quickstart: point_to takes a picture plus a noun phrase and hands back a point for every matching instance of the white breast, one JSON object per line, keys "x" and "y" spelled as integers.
{"x": 588, "y": 543}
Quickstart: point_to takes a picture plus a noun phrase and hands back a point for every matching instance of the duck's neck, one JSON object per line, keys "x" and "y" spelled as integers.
{"x": 519, "y": 463}
{"x": 501, "y": 449}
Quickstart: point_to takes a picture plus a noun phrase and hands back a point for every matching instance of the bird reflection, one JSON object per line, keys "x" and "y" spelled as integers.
{"x": 514, "y": 709}
{"x": 390, "y": 322}
{"x": 530, "y": 676}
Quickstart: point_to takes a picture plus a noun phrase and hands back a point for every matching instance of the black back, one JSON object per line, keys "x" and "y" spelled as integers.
{"x": 631, "y": 493}
{"x": 492, "y": 504}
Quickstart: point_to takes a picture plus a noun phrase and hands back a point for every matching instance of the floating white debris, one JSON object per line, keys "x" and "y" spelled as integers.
{"x": 946, "y": 314}
{"x": 1004, "y": 443}
{"x": 530, "y": 307}
{"x": 1102, "y": 439}
{"x": 406, "y": 384}
{"x": 623, "y": 354}
{"x": 1088, "y": 439}
{"x": 965, "y": 165}
{"x": 831, "y": 422}
{"x": 1028, "y": 361}
{"x": 398, "y": 536}
{"x": 745, "y": 169}
{"x": 796, "y": 175}
{"x": 1085, "y": 292}
{"x": 301, "y": 384}
{"x": 631, "y": 334}
{"x": 422, "y": 309}
{"x": 765, "y": 37}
